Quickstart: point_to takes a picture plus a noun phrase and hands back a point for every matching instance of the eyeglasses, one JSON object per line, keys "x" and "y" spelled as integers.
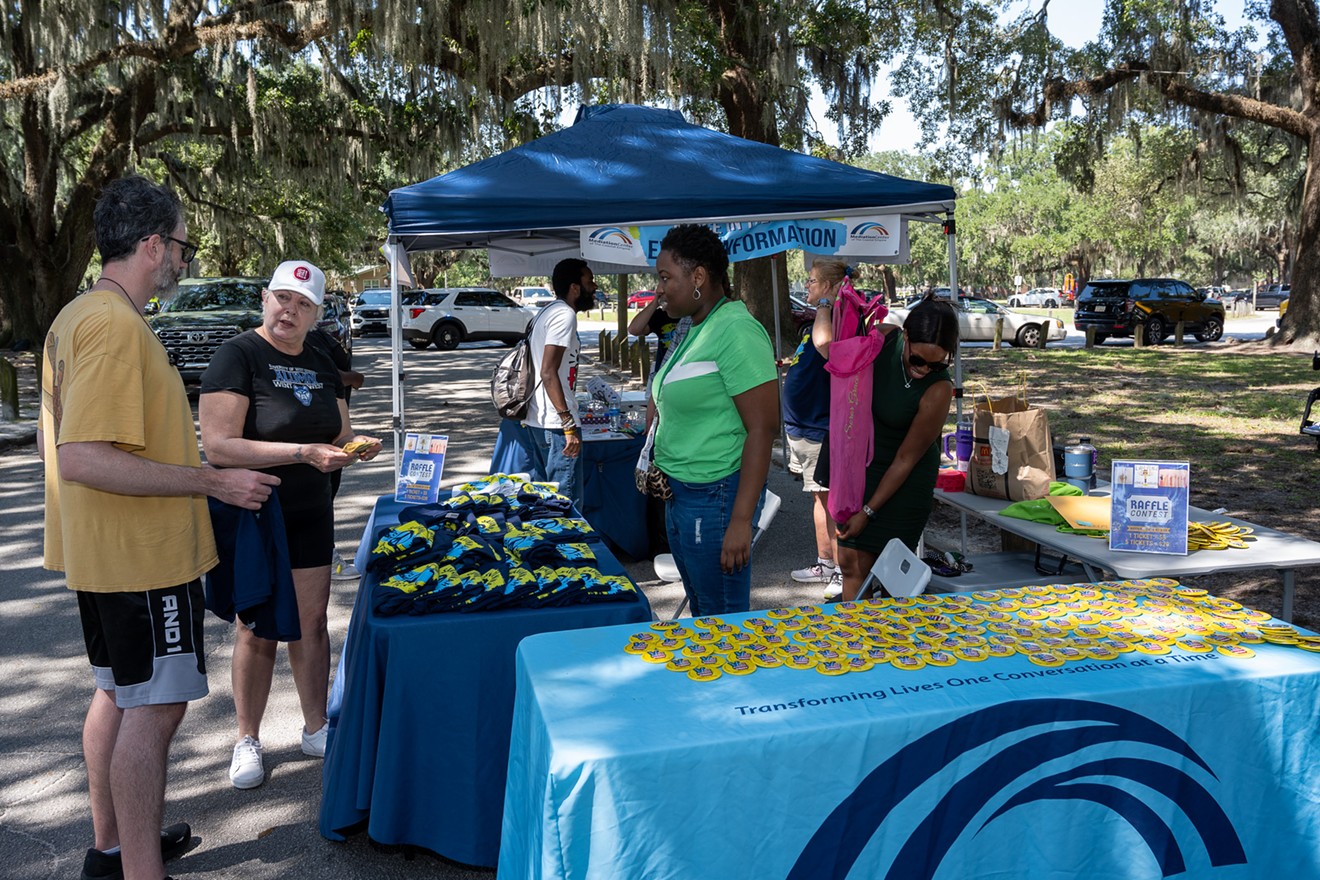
{"x": 187, "y": 251}
{"x": 811, "y": 281}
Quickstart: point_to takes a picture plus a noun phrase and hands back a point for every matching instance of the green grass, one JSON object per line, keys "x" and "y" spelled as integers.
{"x": 1234, "y": 416}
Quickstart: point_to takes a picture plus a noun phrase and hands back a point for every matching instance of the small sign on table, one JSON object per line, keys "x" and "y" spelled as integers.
{"x": 422, "y": 466}
{"x": 1148, "y": 512}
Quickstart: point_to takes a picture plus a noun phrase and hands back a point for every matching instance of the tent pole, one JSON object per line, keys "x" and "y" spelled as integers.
{"x": 779, "y": 355}
{"x": 396, "y": 352}
{"x": 950, "y": 235}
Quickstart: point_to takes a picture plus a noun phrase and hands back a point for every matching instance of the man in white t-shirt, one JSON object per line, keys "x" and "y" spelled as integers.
{"x": 552, "y": 416}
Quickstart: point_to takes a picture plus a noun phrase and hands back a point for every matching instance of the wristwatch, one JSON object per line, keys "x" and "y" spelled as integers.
{"x": 824, "y": 301}
{"x": 870, "y": 514}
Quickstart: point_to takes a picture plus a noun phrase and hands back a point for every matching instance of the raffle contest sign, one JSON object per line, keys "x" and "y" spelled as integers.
{"x": 421, "y": 468}
{"x": 1149, "y": 506}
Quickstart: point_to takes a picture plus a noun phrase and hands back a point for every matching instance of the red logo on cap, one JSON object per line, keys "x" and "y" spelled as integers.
{"x": 301, "y": 273}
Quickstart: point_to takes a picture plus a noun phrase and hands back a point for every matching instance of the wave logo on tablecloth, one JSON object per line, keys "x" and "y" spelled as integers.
{"x": 1051, "y": 730}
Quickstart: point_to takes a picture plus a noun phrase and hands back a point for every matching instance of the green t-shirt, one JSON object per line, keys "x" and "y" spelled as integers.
{"x": 700, "y": 437}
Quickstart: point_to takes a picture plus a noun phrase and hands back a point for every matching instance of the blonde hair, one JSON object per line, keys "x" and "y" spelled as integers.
{"x": 832, "y": 271}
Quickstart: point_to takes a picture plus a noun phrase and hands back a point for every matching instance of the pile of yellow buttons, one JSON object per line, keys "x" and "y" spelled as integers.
{"x": 1050, "y": 625}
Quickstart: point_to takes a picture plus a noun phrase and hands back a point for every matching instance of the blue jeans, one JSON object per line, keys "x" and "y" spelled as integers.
{"x": 695, "y": 519}
{"x": 556, "y": 467}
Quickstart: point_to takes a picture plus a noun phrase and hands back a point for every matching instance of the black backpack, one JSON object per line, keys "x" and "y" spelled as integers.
{"x": 514, "y": 380}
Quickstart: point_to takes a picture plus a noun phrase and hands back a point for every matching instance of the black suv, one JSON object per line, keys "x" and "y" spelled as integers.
{"x": 204, "y": 313}
{"x": 1155, "y": 305}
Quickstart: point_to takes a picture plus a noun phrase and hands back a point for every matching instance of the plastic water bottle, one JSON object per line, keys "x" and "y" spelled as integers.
{"x": 616, "y": 420}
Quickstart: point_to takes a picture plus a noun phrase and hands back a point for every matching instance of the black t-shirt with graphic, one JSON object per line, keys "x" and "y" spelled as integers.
{"x": 663, "y": 327}
{"x": 291, "y": 399}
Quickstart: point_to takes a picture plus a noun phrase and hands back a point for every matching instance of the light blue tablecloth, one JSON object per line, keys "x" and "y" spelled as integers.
{"x": 1195, "y": 765}
{"x": 420, "y": 717}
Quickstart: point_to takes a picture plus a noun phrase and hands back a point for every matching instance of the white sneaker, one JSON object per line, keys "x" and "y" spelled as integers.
{"x": 245, "y": 770}
{"x": 314, "y": 743}
{"x": 341, "y": 569}
{"x": 834, "y": 589}
{"x": 820, "y": 573}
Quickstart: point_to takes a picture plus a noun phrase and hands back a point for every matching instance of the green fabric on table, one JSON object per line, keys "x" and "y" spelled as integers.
{"x": 1040, "y": 510}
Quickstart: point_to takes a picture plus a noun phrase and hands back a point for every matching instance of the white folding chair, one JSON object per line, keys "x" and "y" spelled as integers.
{"x": 900, "y": 571}
{"x": 667, "y": 570}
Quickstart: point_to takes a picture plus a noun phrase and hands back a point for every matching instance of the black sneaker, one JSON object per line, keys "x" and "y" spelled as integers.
{"x": 97, "y": 865}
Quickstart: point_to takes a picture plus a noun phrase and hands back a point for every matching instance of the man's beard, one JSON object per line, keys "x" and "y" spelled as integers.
{"x": 166, "y": 281}
{"x": 585, "y": 302}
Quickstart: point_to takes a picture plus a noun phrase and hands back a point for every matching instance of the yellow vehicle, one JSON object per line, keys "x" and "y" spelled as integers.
{"x": 1283, "y": 310}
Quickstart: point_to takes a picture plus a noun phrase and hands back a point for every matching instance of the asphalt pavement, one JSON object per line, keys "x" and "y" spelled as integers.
{"x": 270, "y": 831}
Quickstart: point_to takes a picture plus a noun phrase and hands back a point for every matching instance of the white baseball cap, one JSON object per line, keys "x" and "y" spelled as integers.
{"x": 300, "y": 277}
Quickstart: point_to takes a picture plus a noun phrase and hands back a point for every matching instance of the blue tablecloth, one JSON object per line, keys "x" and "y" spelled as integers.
{"x": 610, "y": 502}
{"x": 420, "y": 718}
{"x": 1189, "y": 764}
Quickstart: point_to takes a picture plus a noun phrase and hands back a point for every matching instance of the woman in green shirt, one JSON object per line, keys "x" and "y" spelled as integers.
{"x": 718, "y": 406}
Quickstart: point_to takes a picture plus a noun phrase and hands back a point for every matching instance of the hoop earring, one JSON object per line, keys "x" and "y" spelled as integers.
{"x": 696, "y": 293}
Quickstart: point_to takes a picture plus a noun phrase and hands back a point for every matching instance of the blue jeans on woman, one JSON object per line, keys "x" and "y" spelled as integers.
{"x": 695, "y": 519}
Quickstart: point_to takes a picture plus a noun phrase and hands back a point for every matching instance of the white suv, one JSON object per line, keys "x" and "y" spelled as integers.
{"x": 1037, "y": 297}
{"x": 534, "y": 297}
{"x": 447, "y": 316}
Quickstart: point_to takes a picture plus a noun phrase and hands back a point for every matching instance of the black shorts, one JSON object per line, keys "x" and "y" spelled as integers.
{"x": 311, "y": 537}
{"x": 146, "y": 647}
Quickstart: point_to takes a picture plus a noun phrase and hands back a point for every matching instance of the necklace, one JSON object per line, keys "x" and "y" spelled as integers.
{"x": 902, "y": 366}
{"x": 122, "y": 290}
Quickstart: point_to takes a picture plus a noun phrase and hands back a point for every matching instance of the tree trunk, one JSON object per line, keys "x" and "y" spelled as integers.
{"x": 1302, "y": 321}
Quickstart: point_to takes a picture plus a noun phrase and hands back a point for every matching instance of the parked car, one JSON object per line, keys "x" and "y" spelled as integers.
{"x": 803, "y": 313}
{"x": 204, "y": 313}
{"x": 641, "y": 299}
{"x": 533, "y": 297}
{"x": 448, "y": 316}
{"x": 1037, "y": 298}
{"x": 1215, "y": 291}
{"x": 1283, "y": 310}
{"x": 1272, "y": 296}
{"x": 1148, "y": 305}
{"x": 978, "y": 317}
{"x": 335, "y": 320}
{"x": 370, "y": 310}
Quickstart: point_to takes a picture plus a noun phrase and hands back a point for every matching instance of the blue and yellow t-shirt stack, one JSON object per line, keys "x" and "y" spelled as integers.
{"x": 1050, "y": 625}
{"x": 499, "y": 542}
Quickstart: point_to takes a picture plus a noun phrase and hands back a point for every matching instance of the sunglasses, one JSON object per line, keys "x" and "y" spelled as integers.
{"x": 918, "y": 362}
{"x": 187, "y": 251}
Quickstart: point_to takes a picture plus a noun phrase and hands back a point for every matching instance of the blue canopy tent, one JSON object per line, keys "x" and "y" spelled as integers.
{"x": 607, "y": 187}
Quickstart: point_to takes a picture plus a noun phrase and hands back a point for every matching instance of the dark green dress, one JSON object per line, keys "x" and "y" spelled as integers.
{"x": 893, "y": 408}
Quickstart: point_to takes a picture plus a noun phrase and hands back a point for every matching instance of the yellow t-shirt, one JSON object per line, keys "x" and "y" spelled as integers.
{"x": 105, "y": 377}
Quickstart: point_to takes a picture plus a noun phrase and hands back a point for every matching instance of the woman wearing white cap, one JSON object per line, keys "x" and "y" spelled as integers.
{"x": 271, "y": 403}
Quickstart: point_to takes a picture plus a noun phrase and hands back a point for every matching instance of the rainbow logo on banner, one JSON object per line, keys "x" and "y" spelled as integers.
{"x": 1017, "y": 739}
{"x": 611, "y": 235}
{"x": 869, "y": 230}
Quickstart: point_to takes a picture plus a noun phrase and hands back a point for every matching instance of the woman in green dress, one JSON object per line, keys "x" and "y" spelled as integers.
{"x": 910, "y": 399}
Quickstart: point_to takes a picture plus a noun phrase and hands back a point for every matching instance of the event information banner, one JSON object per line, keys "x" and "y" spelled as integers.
{"x": 863, "y": 237}
{"x": 419, "y": 473}
{"x": 1149, "y": 506}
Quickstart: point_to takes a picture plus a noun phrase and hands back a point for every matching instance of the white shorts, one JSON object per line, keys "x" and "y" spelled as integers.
{"x": 802, "y": 457}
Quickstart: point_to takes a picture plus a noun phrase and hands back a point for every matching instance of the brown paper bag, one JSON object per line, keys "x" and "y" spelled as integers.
{"x": 1012, "y": 450}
